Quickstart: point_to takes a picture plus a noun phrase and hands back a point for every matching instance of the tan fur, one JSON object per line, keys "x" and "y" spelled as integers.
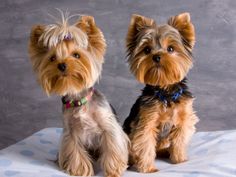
{"x": 182, "y": 23}
{"x": 143, "y": 143}
{"x": 91, "y": 129}
{"x": 43, "y": 46}
{"x": 144, "y": 137}
{"x": 87, "y": 24}
{"x": 147, "y": 127}
{"x": 173, "y": 67}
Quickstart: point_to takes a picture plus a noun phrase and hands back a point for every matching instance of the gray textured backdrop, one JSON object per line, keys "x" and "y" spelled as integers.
{"x": 24, "y": 108}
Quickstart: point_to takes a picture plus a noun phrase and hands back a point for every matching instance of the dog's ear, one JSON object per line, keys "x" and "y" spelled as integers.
{"x": 95, "y": 36}
{"x": 35, "y": 34}
{"x": 86, "y": 24}
{"x": 183, "y": 24}
{"x": 36, "y": 47}
{"x": 137, "y": 24}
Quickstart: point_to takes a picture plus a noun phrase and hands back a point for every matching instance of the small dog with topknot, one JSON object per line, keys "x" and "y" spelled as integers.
{"x": 162, "y": 120}
{"x": 68, "y": 61}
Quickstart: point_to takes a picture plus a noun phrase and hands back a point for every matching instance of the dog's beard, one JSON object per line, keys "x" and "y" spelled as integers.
{"x": 169, "y": 71}
{"x": 76, "y": 78}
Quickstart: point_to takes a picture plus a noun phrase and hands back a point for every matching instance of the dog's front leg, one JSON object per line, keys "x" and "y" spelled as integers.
{"x": 182, "y": 134}
{"x": 114, "y": 147}
{"x": 73, "y": 158}
{"x": 143, "y": 145}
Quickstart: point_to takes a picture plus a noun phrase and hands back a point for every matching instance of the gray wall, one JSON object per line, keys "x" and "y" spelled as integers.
{"x": 24, "y": 108}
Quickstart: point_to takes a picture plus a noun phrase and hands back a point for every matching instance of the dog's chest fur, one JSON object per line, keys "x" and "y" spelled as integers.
{"x": 83, "y": 122}
{"x": 160, "y": 109}
{"x": 164, "y": 120}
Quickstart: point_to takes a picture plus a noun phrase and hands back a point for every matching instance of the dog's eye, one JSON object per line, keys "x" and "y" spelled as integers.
{"x": 170, "y": 49}
{"x": 147, "y": 50}
{"x": 53, "y": 58}
{"x": 76, "y": 55}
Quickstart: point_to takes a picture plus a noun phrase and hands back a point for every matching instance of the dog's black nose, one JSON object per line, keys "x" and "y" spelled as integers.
{"x": 61, "y": 66}
{"x": 156, "y": 58}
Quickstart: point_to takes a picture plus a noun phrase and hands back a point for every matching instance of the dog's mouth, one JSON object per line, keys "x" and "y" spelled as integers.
{"x": 157, "y": 65}
{"x": 64, "y": 75}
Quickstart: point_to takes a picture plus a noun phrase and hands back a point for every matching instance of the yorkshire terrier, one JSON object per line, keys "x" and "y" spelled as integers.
{"x": 162, "y": 120}
{"x": 68, "y": 61}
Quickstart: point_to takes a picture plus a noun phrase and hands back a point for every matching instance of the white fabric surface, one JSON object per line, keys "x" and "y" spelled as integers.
{"x": 211, "y": 154}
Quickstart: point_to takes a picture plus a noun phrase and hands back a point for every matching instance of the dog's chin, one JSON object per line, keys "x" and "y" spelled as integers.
{"x": 157, "y": 76}
{"x": 66, "y": 84}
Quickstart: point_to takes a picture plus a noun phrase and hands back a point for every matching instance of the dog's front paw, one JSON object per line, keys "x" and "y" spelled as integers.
{"x": 178, "y": 154}
{"x": 114, "y": 165}
{"x": 147, "y": 169}
{"x": 115, "y": 168}
{"x": 79, "y": 169}
{"x": 178, "y": 158}
{"x": 112, "y": 175}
